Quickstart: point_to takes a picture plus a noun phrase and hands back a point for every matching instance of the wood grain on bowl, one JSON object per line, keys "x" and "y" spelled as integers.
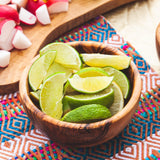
{"x": 41, "y": 35}
{"x": 84, "y": 135}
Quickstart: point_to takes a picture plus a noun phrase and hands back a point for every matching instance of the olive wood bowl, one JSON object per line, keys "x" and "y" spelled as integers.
{"x": 83, "y": 135}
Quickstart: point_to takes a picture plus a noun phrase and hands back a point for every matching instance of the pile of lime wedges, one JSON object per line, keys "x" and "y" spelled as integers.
{"x": 78, "y": 87}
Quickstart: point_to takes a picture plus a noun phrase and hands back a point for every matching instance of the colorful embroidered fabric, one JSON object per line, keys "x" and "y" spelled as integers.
{"x": 139, "y": 140}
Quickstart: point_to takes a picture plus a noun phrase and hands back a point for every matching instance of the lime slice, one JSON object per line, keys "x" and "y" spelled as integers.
{"x": 39, "y": 69}
{"x": 121, "y": 79}
{"x": 103, "y": 60}
{"x": 35, "y": 95}
{"x": 66, "y": 106}
{"x": 83, "y": 73}
{"x": 66, "y": 55}
{"x": 51, "y": 95}
{"x": 118, "y": 103}
{"x": 105, "y": 97}
{"x": 55, "y": 67}
{"x": 87, "y": 114}
{"x": 89, "y": 84}
{"x": 69, "y": 90}
{"x": 91, "y": 72}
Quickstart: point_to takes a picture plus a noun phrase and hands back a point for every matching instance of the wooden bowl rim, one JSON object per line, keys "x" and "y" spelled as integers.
{"x": 127, "y": 108}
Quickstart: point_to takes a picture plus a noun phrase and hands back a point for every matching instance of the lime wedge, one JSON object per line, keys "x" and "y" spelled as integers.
{"x": 35, "y": 95}
{"x": 51, "y": 95}
{"x": 55, "y": 67}
{"x": 89, "y": 84}
{"x": 66, "y": 107}
{"x": 118, "y": 103}
{"x": 66, "y": 55}
{"x": 105, "y": 97}
{"x": 103, "y": 60}
{"x": 87, "y": 114}
{"x": 91, "y": 72}
{"x": 83, "y": 73}
{"x": 69, "y": 90}
{"x": 39, "y": 69}
{"x": 121, "y": 79}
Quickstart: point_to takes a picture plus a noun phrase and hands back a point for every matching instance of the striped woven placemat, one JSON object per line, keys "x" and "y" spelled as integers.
{"x": 19, "y": 139}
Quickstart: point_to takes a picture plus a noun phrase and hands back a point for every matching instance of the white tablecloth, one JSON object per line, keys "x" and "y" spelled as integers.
{"x": 137, "y": 23}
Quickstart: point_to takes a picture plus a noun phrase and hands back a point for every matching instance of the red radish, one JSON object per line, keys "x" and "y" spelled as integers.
{"x": 8, "y": 12}
{"x": 43, "y": 15}
{"x": 20, "y": 3}
{"x": 27, "y": 17}
{"x": 19, "y": 28}
{"x": 4, "y": 1}
{"x": 56, "y": 6}
{"x": 20, "y": 41}
{"x": 33, "y": 5}
{"x": 6, "y": 27}
{"x": 14, "y": 6}
{"x": 4, "y": 58}
{"x": 7, "y": 44}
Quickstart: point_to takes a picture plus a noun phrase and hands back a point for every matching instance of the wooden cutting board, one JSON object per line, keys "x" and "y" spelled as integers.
{"x": 80, "y": 11}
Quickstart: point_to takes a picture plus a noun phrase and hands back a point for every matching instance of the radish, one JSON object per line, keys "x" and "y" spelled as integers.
{"x": 7, "y": 44}
{"x": 27, "y": 17}
{"x": 56, "y": 6}
{"x": 6, "y": 27}
{"x": 4, "y": 1}
{"x": 20, "y": 3}
{"x": 4, "y": 58}
{"x": 33, "y": 5}
{"x": 43, "y": 15}
{"x": 8, "y": 12}
{"x": 14, "y": 6}
{"x": 20, "y": 41}
{"x": 19, "y": 28}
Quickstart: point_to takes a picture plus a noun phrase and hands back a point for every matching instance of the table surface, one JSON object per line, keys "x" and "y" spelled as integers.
{"x": 137, "y": 23}
{"x": 139, "y": 140}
